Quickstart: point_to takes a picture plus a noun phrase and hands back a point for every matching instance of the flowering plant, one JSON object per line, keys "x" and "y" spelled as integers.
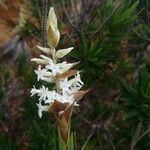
{"x": 66, "y": 92}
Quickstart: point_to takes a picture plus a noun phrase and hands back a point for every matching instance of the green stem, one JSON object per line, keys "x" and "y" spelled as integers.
{"x": 70, "y": 145}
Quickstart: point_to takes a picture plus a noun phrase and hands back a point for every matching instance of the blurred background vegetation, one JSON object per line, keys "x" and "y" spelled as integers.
{"x": 112, "y": 43}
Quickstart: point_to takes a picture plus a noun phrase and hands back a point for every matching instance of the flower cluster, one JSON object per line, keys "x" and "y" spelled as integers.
{"x": 67, "y": 80}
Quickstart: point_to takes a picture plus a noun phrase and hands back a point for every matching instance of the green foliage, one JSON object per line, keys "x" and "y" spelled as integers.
{"x": 122, "y": 18}
{"x": 143, "y": 31}
{"x": 7, "y": 144}
{"x": 43, "y": 137}
{"x": 137, "y": 97}
{"x": 102, "y": 46}
{"x": 137, "y": 109}
{"x": 36, "y": 9}
{"x": 30, "y": 30}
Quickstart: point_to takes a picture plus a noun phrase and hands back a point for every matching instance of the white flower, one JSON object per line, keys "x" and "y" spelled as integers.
{"x": 42, "y": 108}
{"x": 72, "y": 85}
{"x": 44, "y": 74}
{"x": 78, "y": 78}
{"x": 48, "y": 97}
{"x": 64, "y": 85}
{"x": 59, "y": 68}
{"x": 67, "y": 98}
{"x": 76, "y": 83}
{"x": 40, "y": 72}
{"x": 34, "y": 91}
{"x": 42, "y": 92}
{"x": 53, "y": 95}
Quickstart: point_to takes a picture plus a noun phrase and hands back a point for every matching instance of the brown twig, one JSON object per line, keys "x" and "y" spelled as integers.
{"x": 87, "y": 140}
{"x": 43, "y": 22}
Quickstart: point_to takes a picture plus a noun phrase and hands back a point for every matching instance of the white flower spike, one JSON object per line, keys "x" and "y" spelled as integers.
{"x": 66, "y": 90}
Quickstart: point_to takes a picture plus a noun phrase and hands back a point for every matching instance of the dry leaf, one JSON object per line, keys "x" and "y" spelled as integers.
{"x": 67, "y": 74}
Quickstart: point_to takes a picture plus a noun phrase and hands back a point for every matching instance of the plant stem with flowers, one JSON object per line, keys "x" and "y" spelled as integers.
{"x": 66, "y": 92}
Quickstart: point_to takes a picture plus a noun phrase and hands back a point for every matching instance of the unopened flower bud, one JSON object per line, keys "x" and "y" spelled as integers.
{"x": 53, "y": 34}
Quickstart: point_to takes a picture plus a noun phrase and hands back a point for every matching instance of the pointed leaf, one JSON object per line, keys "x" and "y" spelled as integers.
{"x": 44, "y": 49}
{"x": 67, "y": 74}
{"x": 61, "y": 53}
{"x": 78, "y": 95}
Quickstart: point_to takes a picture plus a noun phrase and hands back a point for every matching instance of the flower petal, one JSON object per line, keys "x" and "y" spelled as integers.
{"x": 49, "y": 60}
{"x": 52, "y": 19}
{"x": 53, "y": 37}
{"x": 61, "y": 53}
{"x": 39, "y": 61}
{"x": 42, "y": 108}
{"x": 44, "y": 49}
{"x": 53, "y": 34}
